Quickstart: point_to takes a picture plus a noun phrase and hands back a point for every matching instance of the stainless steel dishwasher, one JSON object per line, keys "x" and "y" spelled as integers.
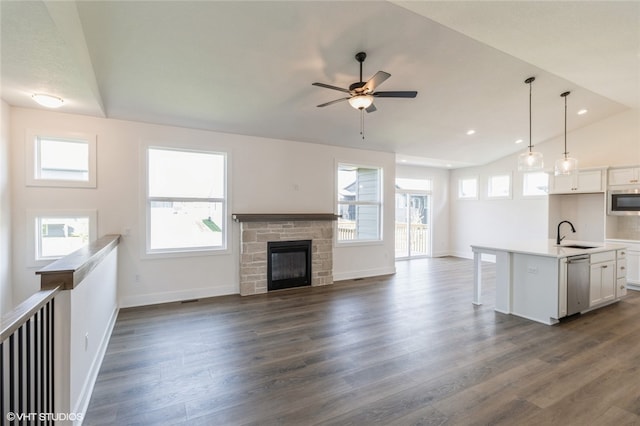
{"x": 578, "y": 277}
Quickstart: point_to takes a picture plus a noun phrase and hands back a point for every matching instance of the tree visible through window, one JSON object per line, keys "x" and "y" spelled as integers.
{"x": 359, "y": 203}
{"x": 186, "y": 205}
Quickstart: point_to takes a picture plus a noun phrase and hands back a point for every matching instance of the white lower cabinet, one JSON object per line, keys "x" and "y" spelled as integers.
{"x": 621, "y": 273}
{"x": 603, "y": 278}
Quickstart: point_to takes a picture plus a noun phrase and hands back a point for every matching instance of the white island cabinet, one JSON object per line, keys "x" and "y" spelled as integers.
{"x": 531, "y": 277}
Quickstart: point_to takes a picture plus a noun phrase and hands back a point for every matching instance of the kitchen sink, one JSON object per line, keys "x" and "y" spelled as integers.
{"x": 578, "y": 246}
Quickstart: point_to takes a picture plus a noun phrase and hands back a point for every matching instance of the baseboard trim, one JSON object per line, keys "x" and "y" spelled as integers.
{"x": 365, "y": 273}
{"x": 176, "y": 296}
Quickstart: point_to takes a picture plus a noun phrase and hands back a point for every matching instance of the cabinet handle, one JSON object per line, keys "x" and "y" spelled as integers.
{"x": 622, "y": 253}
{"x": 621, "y": 287}
{"x": 605, "y": 266}
{"x": 622, "y": 268}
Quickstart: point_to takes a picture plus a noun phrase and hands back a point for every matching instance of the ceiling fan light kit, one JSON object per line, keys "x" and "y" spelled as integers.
{"x": 530, "y": 161}
{"x": 361, "y": 101}
{"x": 566, "y": 165}
{"x": 362, "y": 94}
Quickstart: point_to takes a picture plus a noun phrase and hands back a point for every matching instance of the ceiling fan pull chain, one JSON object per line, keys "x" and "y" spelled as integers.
{"x": 362, "y": 122}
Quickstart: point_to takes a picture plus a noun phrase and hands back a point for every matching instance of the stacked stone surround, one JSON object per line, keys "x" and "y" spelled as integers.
{"x": 253, "y": 256}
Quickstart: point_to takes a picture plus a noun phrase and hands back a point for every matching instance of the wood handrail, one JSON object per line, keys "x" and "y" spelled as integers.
{"x": 69, "y": 271}
{"x": 25, "y": 310}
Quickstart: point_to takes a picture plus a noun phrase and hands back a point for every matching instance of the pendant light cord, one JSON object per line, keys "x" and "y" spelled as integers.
{"x": 529, "y": 81}
{"x": 564, "y": 95}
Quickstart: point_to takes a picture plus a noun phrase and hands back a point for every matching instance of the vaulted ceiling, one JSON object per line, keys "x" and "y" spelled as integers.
{"x": 247, "y": 67}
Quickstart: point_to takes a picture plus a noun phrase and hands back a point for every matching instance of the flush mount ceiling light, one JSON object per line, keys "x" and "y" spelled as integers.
{"x": 361, "y": 101}
{"x": 48, "y": 101}
{"x": 530, "y": 161}
{"x": 566, "y": 165}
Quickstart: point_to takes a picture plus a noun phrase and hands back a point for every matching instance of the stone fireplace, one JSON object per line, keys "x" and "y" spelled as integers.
{"x": 258, "y": 230}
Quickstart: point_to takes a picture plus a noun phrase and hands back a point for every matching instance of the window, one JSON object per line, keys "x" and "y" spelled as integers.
{"x": 66, "y": 160}
{"x": 54, "y": 234}
{"x": 468, "y": 188}
{"x": 499, "y": 186}
{"x": 359, "y": 203}
{"x": 409, "y": 184}
{"x": 535, "y": 183}
{"x": 186, "y": 200}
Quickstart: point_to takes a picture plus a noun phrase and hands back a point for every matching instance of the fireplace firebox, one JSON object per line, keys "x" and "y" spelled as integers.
{"x": 288, "y": 264}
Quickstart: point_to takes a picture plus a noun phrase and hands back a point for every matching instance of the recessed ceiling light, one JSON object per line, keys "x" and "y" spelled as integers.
{"x": 470, "y": 132}
{"x": 583, "y": 111}
{"x": 448, "y": 165}
{"x": 519, "y": 141}
{"x": 48, "y": 101}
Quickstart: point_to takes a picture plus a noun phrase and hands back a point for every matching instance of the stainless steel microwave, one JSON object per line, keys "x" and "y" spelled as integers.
{"x": 624, "y": 202}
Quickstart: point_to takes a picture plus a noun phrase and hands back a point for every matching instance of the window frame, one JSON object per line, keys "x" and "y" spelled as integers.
{"x": 34, "y": 236}
{"x": 379, "y": 204}
{"x": 524, "y": 181}
{"x": 509, "y": 195}
{"x": 459, "y": 193}
{"x": 224, "y": 248}
{"x": 33, "y": 160}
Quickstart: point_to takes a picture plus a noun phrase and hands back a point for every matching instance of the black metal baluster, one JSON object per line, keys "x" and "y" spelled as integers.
{"x": 20, "y": 407}
{"x": 29, "y": 408}
{"x": 12, "y": 378}
{"x": 51, "y": 353}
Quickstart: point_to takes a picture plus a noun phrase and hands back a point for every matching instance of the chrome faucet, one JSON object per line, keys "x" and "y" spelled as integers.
{"x": 558, "y": 237}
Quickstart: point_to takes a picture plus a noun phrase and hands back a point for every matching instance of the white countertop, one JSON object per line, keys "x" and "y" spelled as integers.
{"x": 547, "y": 248}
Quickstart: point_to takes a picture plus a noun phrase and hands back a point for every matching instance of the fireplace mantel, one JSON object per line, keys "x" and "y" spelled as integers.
{"x": 280, "y": 217}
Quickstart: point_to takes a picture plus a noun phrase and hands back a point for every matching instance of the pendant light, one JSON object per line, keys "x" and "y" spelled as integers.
{"x": 530, "y": 161}
{"x": 566, "y": 165}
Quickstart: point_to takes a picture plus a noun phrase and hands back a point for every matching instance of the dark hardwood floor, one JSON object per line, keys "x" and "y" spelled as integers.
{"x": 408, "y": 349}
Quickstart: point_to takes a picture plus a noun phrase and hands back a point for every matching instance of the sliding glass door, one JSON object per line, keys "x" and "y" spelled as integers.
{"x": 412, "y": 225}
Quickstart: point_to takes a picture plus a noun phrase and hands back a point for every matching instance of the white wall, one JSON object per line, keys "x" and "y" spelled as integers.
{"x": 439, "y": 203}
{"x": 614, "y": 141}
{"x": 266, "y": 176}
{"x": 6, "y": 299}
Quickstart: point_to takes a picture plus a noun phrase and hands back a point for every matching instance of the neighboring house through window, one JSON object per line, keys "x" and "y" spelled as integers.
{"x": 359, "y": 203}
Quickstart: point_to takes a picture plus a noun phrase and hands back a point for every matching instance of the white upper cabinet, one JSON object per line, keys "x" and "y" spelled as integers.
{"x": 624, "y": 176}
{"x": 583, "y": 181}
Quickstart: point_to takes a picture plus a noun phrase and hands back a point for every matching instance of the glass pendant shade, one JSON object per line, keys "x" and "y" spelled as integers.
{"x": 530, "y": 161}
{"x": 361, "y": 101}
{"x": 566, "y": 166}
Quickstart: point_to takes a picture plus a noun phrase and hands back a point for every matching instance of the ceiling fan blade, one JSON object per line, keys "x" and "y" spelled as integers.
{"x": 401, "y": 94}
{"x": 328, "y": 86}
{"x": 372, "y": 108}
{"x": 375, "y": 81}
{"x": 332, "y": 102}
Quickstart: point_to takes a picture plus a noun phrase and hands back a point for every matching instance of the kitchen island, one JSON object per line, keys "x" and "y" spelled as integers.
{"x": 531, "y": 276}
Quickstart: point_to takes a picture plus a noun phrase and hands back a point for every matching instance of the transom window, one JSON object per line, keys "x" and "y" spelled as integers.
{"x": 61, "y": 160}
{"x": 499, "y": 186}
{"x": 359, "y": 203}
{"x": 535, "y": 184}
{"x": 186, "y": 200}
{"x": 468, "y": 188}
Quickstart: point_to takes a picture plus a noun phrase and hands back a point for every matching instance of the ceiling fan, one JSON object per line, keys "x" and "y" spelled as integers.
{"x": 361, "y": 94}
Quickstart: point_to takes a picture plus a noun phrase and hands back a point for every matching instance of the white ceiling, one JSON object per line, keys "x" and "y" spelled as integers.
{"x": 247, "y": 68}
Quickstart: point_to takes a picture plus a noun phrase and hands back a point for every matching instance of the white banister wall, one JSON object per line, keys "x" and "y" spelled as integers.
{"x": 85, "y": 317}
